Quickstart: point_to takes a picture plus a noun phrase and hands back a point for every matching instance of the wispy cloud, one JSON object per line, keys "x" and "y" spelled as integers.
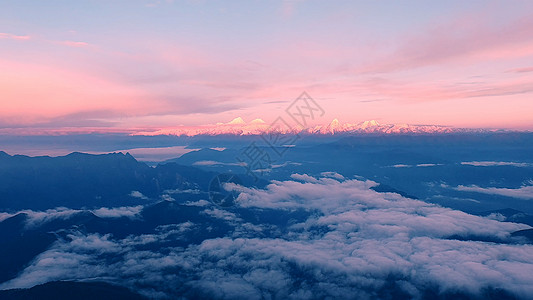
{"x": 14, "y": 37}
{"x": 522, "y": 70}
{"x": 74, "y": 44}
{"x": 38, "y": 218}
{"x": 215, "y": 163}
{"x": 118, "y": 212}
{"x": 417, "y": 165}
{"x": 524, "y": 192}
{"x": 495, "y": 163}
{"x": 463, "y": 38}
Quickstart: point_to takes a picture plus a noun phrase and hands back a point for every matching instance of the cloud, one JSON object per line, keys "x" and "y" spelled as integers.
{"x": 524, "y": 192}
{"x": 199, "y": 203}
{"x": 222, "y": 214}
{"x": 137, "y": 194}
{"x": 428, "y": 165}
{"x": 417, "y": 165}
{"x": 465, "y": 38}
{"x": 14, "y": 37}
{"x": 214, "y": 163}
{"x": 332, "y": 175}
{"x": 4, "y": 215}
{"x": 522, "y": 70}
{"x": 74, "y": 44}
{"x": 495, "y": 163}
{"x": 118, "y": 212}
{"x": 353, "y": 242}
{"x": 275, "y": 166}
{"x": 401, "y": 166}
{"x": 38, "y": 218}
{"x": 157, "y": 154}
{"x": 182, "y": 191}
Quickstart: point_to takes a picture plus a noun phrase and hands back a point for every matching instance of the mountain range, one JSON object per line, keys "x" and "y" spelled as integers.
{"x": 238, "y": 126}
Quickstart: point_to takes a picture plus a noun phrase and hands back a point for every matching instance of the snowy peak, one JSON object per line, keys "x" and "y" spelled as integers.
{"x": 370, "y": 123}
{"x": 237, "y": 121}
{"x": 335, "y": 124}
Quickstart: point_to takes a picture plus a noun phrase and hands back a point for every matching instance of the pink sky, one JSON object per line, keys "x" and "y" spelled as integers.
{"x": 164, "y": 64}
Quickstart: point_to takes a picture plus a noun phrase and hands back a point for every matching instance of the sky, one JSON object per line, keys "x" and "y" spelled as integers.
{"x": 138, "y": 65}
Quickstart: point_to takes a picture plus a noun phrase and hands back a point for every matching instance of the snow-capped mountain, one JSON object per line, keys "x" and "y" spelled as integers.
{"x": 238, "y": 126}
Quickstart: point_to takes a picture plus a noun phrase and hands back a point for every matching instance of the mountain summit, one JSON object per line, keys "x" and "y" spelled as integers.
{"x": 236, "y": 121}
{"x": 370, "y": 123}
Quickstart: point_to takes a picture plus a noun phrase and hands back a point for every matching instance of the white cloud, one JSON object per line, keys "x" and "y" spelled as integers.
{"x": 222, "y": 214}
{"x": 198, "y": 203}
{"x": 214, "y": 163}
{"x": 181, "y": 191}
{"x": 401, "y": 166}
{"x": 429, "y": 165}
{"x": 4, "y": 215}
{"x": 287, "y": 163}
{"x": 524, "y": 192}
{"x": 137, "y": 194}
{"x": 117, "y": 212}
{"x": 37, "y": 218}
{"x": 275, "y": 166}
{"x": 495, "y": 163}
{"x": 334, "y": 175}
{"x": 417, "y": 165}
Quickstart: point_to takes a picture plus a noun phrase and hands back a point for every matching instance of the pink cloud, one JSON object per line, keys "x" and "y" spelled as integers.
{"x": 74, "y": 44}
{"x": 522, "y": 70}
{"x": 466, "y": 39}
{"x": 34, "y": 93}
{"x": 434, "y": 91}
{"x": 14, "y": 37}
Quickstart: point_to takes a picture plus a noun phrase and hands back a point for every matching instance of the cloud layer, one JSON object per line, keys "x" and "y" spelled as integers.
{"x": 354, "y": 243}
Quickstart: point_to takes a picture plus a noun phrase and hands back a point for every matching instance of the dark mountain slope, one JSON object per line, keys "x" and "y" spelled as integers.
{"x": 84, "y": 180}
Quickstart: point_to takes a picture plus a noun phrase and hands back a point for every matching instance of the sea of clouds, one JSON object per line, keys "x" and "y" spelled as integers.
{"x": 356, "y": 243}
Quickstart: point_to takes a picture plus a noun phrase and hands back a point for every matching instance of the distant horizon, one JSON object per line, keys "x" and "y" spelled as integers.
{"x": 151, "y": 131}
{"x": 157, "y": 148}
